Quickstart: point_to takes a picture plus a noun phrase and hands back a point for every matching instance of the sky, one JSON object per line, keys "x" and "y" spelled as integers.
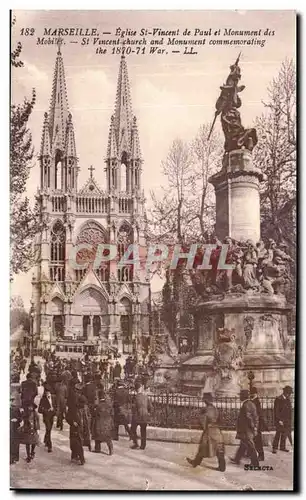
{"x": 172, "y": 94}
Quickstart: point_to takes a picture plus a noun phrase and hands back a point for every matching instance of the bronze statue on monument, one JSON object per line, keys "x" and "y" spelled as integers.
{"x": 244, "y": 295}
{"x": 236, "y": 136}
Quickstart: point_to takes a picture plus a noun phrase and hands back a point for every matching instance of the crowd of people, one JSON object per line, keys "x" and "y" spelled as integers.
{"x": 75, "y": 392}
{"x": 92, "y": 398}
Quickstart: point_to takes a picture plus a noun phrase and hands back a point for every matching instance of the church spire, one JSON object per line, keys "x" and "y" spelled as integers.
{"x": 59, "y": 163}
{"x": 123, "y": 109}
{"x": 123, "y": 158}
{"x": 59, "y": 109}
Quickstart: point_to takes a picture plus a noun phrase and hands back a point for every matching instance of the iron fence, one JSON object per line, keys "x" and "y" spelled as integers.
{"x": 179, "y": 411}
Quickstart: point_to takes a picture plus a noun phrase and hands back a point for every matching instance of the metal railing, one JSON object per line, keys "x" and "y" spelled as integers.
{"x": 180, "y": 411}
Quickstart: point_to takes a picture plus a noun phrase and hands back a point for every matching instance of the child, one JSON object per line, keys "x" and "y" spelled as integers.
{"x": 15, "y": 420}
{"x": 30, "y": 426}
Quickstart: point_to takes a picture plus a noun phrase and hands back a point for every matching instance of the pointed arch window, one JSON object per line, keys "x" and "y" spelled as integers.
{"x": 57, "y": 250}
{"x": 124, "y": 172}
{"x": 126, "y": 324}
{"x": 124, "y": 239}
{"x": 58, "y": 170}
{"x": 114, "y": 185}
{"x": 123, "y": 177}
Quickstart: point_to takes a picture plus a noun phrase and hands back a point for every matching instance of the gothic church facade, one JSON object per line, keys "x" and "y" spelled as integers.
{"x": 89, "y": 304}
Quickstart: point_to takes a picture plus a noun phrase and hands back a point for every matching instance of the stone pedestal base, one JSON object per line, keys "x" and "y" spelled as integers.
{"x": 237, "y": 197}
{"x": 260, "y": 324}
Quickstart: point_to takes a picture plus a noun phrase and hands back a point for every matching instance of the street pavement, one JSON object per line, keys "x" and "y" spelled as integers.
{"x": 161, "y": 466}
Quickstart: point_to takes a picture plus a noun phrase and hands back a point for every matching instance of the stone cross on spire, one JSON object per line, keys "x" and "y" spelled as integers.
{"x": 91, "y": 169}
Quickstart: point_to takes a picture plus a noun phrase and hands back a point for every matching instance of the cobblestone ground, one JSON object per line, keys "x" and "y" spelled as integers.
{"x": 161, "y": 466}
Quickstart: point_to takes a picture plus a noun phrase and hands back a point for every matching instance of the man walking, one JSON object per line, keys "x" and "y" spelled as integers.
{"x": 46, "y": 408}
{"x": 247, "y": 427}
{"x": 212, "y": 442}
{"x": 74, "y": 419}
{"x": 141, "y": 408}
{"x": 261, "y": 424}
{"x": 282, "y": 419}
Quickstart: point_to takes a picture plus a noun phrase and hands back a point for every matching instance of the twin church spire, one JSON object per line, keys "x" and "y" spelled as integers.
{"x": 59, "y": 162}
{"x": 58, "y": 157}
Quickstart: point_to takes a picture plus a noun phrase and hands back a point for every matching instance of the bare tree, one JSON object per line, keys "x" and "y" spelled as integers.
{"x": 276, "y": 150}
{"x": 185, "y": 213}
{"x": 24, "y": 220}
{"x": 170, "y": 214}
{"x": 207, "y": 160}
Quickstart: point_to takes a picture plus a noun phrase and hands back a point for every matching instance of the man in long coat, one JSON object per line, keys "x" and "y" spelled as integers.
{"x": 282, "y": 419}
{"x": 247, "y": 427}
{"x": 48, "y": 411}
{"x": 121, "y": 405}
{"x": 74, "y": 419}
{"x": 261, "y": 424}
{"x": 212, "y": 442}
{"x": 141, "y": 407}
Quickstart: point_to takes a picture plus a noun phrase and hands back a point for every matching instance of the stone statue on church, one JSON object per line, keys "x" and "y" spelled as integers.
{"x": 236, "y": 136}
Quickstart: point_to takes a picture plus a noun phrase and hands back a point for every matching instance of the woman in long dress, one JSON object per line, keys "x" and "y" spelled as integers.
{"x": 102, "y": 424}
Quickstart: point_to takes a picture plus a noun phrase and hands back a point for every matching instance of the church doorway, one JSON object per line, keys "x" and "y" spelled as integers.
{"x": 58, "y": 325}
{"x": 96, "y": 323}
{"x": 86, "y": 326}
{"x": 94, "y": 312}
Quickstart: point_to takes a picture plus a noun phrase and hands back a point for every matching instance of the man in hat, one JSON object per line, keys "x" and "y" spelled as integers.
{"x": 48, "y": 411}
{"x": 121, "y": 405}
{"x": 74, "y": 419}
{"x": 282, "y": 419}
{"x": 261, "y": 424}
{"x": 212, "y": 442}
{"x": 247, "y": 428}
{"x": 90, "y": 391}
{"x": 141, "y": 407}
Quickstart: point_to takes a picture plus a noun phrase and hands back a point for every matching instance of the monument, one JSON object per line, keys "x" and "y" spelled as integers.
{"x": 241, "y": 315}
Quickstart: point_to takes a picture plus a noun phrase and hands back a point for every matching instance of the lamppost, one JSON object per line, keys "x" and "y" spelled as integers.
{"x": 251, "y": 377}
{"x": 32, "y": 332}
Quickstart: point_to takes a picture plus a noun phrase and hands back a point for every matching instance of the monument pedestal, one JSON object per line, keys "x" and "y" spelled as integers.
{"x": 237, "y": 197}
{"x": 260, "y": 325}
